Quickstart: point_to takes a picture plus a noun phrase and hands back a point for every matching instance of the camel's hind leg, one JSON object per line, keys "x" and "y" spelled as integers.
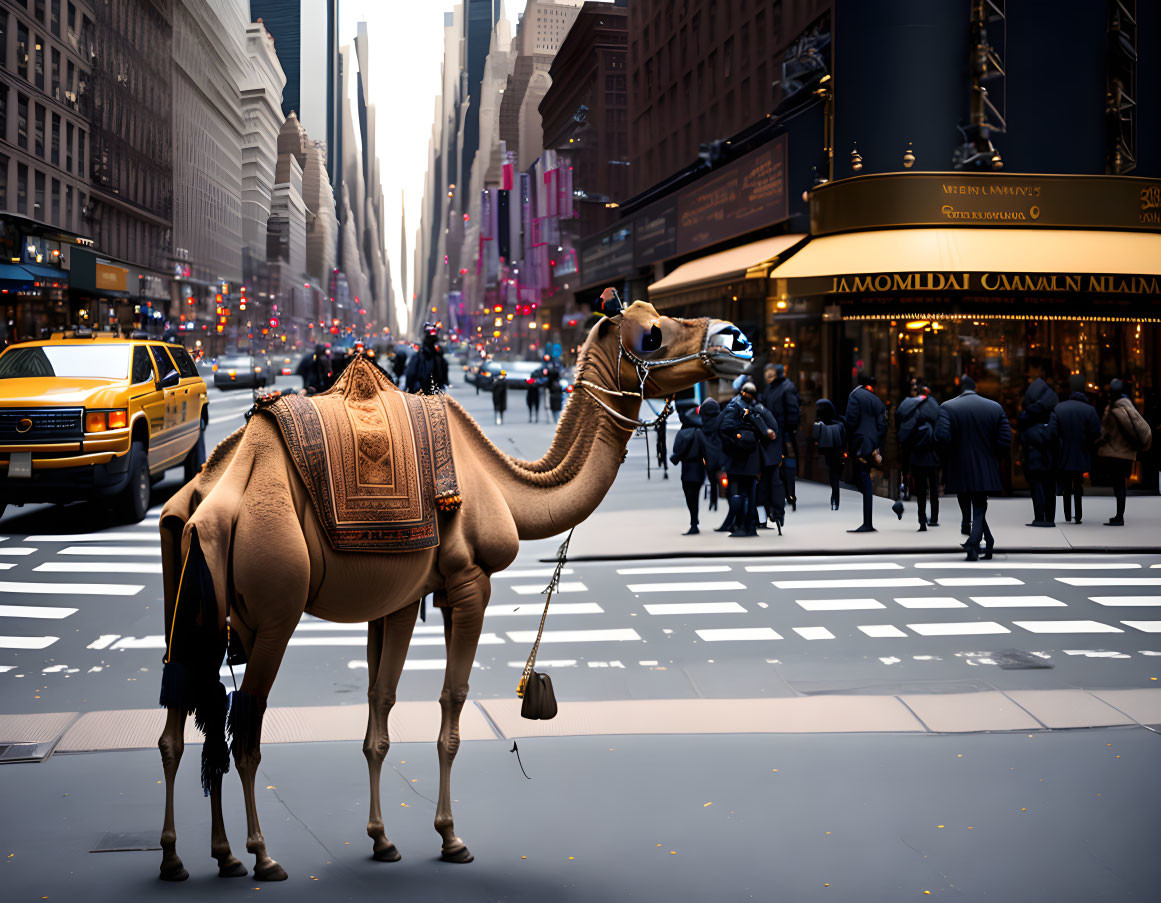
{"x": 171, "y": 744}
{"x": 463, "y": 621}
{"x": 387, "y": 642}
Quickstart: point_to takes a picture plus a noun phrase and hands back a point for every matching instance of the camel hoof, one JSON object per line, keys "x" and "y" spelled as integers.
{"x": 173, "y": 872}
{"x": 270, "y": 871}
{"x": 460, "y": 855}
{"x": 389, "y": 853}
{"x": 231, "y": 868}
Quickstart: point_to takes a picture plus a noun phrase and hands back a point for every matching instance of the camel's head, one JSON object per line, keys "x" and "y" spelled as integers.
{"x": 675, "y": 353}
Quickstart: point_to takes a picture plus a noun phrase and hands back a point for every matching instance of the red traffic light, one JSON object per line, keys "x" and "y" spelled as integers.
{"x": 274, "y": 322}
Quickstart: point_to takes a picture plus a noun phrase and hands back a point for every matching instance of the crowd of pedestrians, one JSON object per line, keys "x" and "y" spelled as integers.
{"x": 748, "y": 448}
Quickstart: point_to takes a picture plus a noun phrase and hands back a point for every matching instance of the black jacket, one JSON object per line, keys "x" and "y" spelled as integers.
{"x": 711, "y": 439}
{"x": 915, "y": 419}
{"x": 865, "y": 421}
{"x": 742, "y": 429}
{"x": 771, "y": 448}
{"x": 500, "y": 395}
{"x": 426, "y": 371}
{"x": 829, "y": 432}
{"x": 1038, "y": 437}
{"x": 1077, "y": 426}
{"x": 781, "y": 398}
{"x": 687, "y": 450}
{"x": 972, "y": 433}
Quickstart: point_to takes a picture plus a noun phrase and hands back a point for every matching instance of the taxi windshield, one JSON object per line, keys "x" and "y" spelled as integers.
{"x": 79, "y": 361}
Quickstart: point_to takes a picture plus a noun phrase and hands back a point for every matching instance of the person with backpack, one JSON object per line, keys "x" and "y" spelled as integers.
{"x": 866, "y": 426}
{"x": 1124, "y": 433}
{"x": 690, "y": 453}
{"x": 1039, "y": 443}
{"x": 780, "y": 398}
{"x": 1077, "y": 425}
{"x": 916, "y": 419}
{"x": 830, "y": 436}
{"x": 741, "y": 428}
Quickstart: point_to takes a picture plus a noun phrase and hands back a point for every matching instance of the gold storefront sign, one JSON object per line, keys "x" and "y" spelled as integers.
{"x": 112, "y": 279}
{"x": 1033, "y": 283}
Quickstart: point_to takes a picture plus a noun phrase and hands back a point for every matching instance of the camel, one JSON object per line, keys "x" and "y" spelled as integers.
{"x": 244, "y": 530}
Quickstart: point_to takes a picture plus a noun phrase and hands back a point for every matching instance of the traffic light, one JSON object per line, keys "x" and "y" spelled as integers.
{"x": 274, "y": 322}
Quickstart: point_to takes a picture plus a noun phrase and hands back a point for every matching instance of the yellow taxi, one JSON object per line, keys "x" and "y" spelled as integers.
{"x": 87, "y": 415}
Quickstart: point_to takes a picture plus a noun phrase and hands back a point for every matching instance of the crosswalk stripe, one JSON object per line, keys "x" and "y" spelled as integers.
{"x": 104, "y": 641}
{"x": 557, "y": 608}
{"x": 1126, "y": 600}
{"x": 1029, "y": 565}
{"x": 838, "y": 604}
{"x": 692, "y": 586}
{"x": 869, "y": 583}
{"x": 846, "y": 566}
{"x": 530, "y": 572}
{"x": 4, "y": 669}
{"x": 1095, "y": 653}
{"x": 814, "y": 633}
{"x": 694, "y": 608}
{"x": 35, "y": 611}
{"x": 6, "y": 565}
{"x": 27, "y": 642}
{"x": 69, "y": 589}
{"x": 881, "y": 630}
{"x": 959, "y": 628}
{"x": 683, "y": 569}
{"x": 17, "y": 550}
{"x": 978, "y": 581}
{"x": 111, "y": 550}
{"x": 1110, "y": 581}
{"x": 930, "y": 602}
{"x": 1017, "y": 601}
{"x": 1067, "y": 627}
{"x": 528, "y": 589}
{"x": 615, "y": 635}
{"x": 100, "y": 567}
{"x": 1144, "y": 626}
{"x": 486, "y": 639}
{"x": 732, "y": 634}
{"x": 547, "y": 663}
{"x": 87, "y": 537}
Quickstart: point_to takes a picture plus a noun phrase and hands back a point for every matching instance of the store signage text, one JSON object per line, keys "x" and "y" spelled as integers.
{"x": 1051, "y": 283}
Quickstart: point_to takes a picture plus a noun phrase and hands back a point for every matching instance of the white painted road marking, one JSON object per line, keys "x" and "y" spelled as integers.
{"x": 694, "y": 608}
{"x": 692, "y": 586}
{"x": 6, "y": 565}
{"x": 684, "y": 569}
{"x": 838, "y": 604}
{"x": 1027, "y": 565}
{"x": 1067, "y": 627}
{"x": 930, "y": 602}
{"x": 17, "y": 550}
{"x": 530, "y": 572}
{"x": 529, "y": 589}
{"x": 1126, "y": 600}
{"x": 111, "y": 550}
{"x": 727, "y": 634}
{"x": 100, "y": 567}
{"x": 1144, "y": 626}
{"x": 486, "y": 639}
{"x": 87, "y": 537}
{"x": 814, "y": 633}
{"x": 532, "y": 608}
{"x": 618, "y": 635}
{"x": 27, "y": 642}
{"x": 847, "y": 566}
{"x": 34, "y": 611}
{"x": 71, "y": 589}
{"x": 959, "y": 628}
{"x": 868, "y": 583}
{"x": 103, "y": 641}
{"x": 1017, "y": 601}
{"x": 547, "y": 663}
{"x": 978, "y": 581}
{"x": 881, "y": 630}
{"x": 1110, "y": 581}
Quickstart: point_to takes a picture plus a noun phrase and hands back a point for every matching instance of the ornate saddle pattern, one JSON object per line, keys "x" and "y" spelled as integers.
{"x": 377, "y": 462}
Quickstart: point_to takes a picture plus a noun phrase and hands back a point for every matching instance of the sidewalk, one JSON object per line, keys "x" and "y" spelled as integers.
{"x": 652, "y": 526}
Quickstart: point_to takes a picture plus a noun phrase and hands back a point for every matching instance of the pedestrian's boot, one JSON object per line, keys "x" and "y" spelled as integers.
{"x": 933, "y": 521}
{"x": 692, "y": 531}
{"x": 898, "y": 508}
{"x": 973, "y": 552}
{"x": 728, "y": 524}
{"x": 1077, "y": 509}
{"x": 738, "y": 515}
{"x": 922, "y": 517}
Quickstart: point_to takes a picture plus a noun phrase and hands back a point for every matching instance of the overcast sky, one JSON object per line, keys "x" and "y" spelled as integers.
{"x": 405, "y": 39}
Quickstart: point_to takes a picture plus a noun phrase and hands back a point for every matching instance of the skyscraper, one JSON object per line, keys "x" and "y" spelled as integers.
{"x": 480, "y": 18}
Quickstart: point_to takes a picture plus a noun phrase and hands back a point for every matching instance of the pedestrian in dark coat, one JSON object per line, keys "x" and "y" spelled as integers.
{"x": 532, "y": 399}
{"x": 500, "y": 396}
{"x": 830, "y": 435}
{"x": 866, "y": 426}
{"x": 1077, "y": 426}
{"x": 711, "y": 446}
{"x": 1124, "y": 433}
{"x": 426, "y": 372}
{"x": 781, "y": 398}
{"x": 972, "y": 433}
{"x": 1040, "y": 446}
{"x": 771, "y": 490}
{"x": 555, "y": 395}
{"x": 741, "y": 428}
{"x": 915, "y": 419}
{"x": 687, "y": 450}
{"x": 315, "y": 370}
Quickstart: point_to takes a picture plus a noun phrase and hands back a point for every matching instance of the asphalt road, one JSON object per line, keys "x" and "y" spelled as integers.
{"x": 81, "y": 625}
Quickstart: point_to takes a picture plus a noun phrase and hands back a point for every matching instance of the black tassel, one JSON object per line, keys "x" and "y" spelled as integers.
{"x": 177, "y": 687}
{"x": 244, "y": 722}
{"x": 210, "y": 718}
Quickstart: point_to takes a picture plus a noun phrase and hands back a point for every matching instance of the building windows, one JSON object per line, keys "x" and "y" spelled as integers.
{"x": 38, "y": 211}
{"x": 38, "y": 63}
{"x": 3, "y": 112}
{"x": 4, "y": 38}
{"x": 22, "y": 50}
{"x": 68, "y": 223}
{"x": 54, "y": 17}
{"x": 55, "y": 71}
{"x": 22, "y": 121}
{"x": 3, "y": 182}
{"x": 72, "y": 21}
{"x": 69, "y": 147}
{"x": 21, "y": 188}
{"x": 38, "y": 135}
{"x": 55, "y": 202}
{"x": 54, "y": 146}
{"x": 81, "y": 154}
{"x": 39, "y": 10}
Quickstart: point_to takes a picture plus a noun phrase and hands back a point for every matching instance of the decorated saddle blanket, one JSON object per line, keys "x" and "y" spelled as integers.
{"x": 377, "y": 462}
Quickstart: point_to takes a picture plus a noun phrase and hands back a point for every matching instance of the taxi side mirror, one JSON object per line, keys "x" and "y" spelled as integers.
{"x": 170, "y": 380}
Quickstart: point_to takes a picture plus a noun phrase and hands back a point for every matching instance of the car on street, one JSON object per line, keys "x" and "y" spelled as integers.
{"x": 241, "y": 371}
{"x": 94, "y": 416}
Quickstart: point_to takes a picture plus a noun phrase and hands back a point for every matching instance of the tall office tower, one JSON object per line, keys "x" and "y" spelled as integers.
{"x": 262, "y": 121}
{"x": 480, "y": 18}
{"x": 403, "y": 253}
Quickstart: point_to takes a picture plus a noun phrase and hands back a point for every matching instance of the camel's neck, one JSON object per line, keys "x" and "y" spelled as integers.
{"x": 557, "y": 492}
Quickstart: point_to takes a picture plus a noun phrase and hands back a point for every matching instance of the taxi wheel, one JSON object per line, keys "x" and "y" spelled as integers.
{"x": 196, "y": 458}
{"x": 135, "y": 496}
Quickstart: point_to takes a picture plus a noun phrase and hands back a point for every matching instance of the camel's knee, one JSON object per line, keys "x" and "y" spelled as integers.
{"x": 453, "y": 697}
{"x": 171, "y": 748}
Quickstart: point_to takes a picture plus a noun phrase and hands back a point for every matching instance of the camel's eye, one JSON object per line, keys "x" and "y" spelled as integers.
{"x": 651, "y": 340}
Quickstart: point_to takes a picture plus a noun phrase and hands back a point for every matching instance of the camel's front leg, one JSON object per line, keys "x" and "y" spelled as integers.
{"x": 172, "y": 744}
{"x": 387, "y": 642}
{"x": 463, "y": 620}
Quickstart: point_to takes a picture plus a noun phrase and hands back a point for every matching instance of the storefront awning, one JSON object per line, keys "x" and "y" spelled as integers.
{"x": 31, "y": 272}
{"x": 748, "y": 261}
{"x": 953, "y": 252}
